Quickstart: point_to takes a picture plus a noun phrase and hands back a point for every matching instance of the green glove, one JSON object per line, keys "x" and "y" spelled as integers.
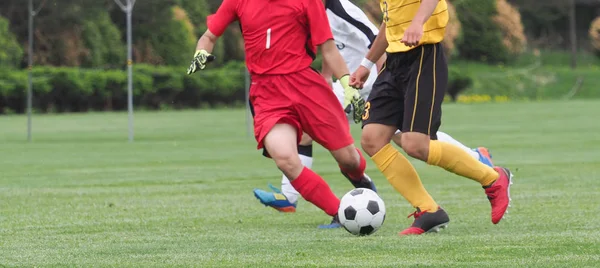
{"x": 201, "y": 57}
{"x": 353, "y": 102}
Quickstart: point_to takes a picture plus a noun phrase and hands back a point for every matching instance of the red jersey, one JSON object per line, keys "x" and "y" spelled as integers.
{"x": 280, "y": 36}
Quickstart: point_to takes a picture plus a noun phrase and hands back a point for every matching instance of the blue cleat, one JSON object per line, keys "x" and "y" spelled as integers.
{"x": 484, "y": 156}
{"x": 335, "y": 223}
{"x": 275, "y": 199}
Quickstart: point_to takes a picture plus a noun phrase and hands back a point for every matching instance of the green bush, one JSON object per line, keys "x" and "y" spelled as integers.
{"x": 68, "y": 89}
{"x": 457, "y": 82}
{"x": 481, "y": 37}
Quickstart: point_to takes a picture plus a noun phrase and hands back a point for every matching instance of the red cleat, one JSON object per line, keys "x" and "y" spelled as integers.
{"x": 499, "y": 194}
{"x": 426, "y": 222}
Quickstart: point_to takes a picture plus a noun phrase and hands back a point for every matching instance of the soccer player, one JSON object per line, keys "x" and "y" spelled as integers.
{"x": 353, "y": 34}
{"x": 287, "y": 96}
{"x": 407, "y": 95}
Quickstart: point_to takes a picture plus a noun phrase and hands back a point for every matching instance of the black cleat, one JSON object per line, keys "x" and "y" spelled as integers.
{"x": 364, "y": 182}
{"x": 426, "y": 222}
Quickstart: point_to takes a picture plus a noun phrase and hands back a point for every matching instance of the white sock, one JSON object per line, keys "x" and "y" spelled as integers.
{"x": 446, "y": 138}
{"x": 286, "y": 186}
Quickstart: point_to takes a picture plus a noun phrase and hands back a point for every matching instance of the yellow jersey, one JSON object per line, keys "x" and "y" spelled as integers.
{"x": 398, "y": 14}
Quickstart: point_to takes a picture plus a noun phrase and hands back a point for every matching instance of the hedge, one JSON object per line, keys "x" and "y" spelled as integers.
{"x": 62, "y": 89}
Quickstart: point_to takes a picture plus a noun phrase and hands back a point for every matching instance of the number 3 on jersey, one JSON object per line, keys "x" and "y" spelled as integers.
{"x": 365, "y": 115}
{"x": 268, "y": 46}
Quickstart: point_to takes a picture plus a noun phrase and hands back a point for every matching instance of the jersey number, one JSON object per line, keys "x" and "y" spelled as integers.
{"x": 268, "y": 46}
{"x": 365, "y": 116}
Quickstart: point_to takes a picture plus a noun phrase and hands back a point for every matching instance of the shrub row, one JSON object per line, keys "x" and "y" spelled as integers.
{"x": 78, "y": 90}
{"x": 74, "y": 90}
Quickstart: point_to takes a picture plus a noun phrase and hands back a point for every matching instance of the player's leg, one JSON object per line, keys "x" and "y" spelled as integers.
{"x": 480, "y": 153}
{"x": 286, "y": 198}
{"x": 281, "y": 143}
{"x": 364, "y": 181}
{"x": 380, "y": 123}
{"x": 305, "y": 150}
{"x": 397, "y": 138}
{"x": 325, "y": 121}
{"x": 277, "y": 128}
{"x": 422, "y": 118}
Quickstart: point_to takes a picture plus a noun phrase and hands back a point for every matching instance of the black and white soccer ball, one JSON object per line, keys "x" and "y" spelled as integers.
{"x": 361, "y": 211}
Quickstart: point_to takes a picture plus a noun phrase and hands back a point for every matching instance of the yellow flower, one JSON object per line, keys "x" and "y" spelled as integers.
{"x": 481, "y": 98}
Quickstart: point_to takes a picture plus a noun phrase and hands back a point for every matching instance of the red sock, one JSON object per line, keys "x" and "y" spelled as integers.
{"x": 315, "y": 190}
{"x": 358, "y": 173}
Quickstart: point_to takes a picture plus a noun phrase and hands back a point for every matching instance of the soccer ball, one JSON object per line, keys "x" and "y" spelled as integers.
{"x": 361, "y": 211}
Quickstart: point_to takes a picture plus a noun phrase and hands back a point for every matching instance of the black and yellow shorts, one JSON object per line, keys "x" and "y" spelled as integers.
{"x": 409, "y": 91}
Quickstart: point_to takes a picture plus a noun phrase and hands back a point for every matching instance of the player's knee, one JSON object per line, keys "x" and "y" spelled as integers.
{"x": 289, "y": 164}
{"x": 347, "y": 157}
{"x": 416, "y": 145}
{"x": 368, "y": 144}
{"x": 375, "y": 136}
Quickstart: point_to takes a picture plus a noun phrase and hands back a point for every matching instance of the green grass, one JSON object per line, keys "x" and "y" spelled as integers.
{"x": 181, "y": 194}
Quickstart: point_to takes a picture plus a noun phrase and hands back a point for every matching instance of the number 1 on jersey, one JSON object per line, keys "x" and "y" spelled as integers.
{"x": 268, "y": 38}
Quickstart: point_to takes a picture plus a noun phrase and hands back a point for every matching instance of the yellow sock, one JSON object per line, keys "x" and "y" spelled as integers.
{"x": 457, "y": 161}
{"x": 403, "y": 176}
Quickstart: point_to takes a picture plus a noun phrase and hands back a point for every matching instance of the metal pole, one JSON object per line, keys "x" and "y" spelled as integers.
{"x": 129, "y": 71}
{"x": 29, "y": 67}
{"x": 249, "y": 120}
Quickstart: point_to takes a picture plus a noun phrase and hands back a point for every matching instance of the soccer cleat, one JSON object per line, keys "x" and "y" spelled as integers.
{"x": 275, "y": 199}
{"x": 484, "y": 156}
{"x": 426, "y": 222}
{"x": 364, "y": 182}
{"x": 335, "y": 223}
{"x": 499, "y": 194}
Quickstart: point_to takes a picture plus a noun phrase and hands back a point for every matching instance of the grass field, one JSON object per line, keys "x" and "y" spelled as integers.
{"x": 181, "y": 194}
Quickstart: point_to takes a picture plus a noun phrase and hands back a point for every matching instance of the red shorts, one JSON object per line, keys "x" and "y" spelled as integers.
{"x": 303, "y": 100}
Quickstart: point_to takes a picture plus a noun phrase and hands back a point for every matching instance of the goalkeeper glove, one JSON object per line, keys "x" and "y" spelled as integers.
{"x": 201, "y": 57}
{"x": 353, "y": 102}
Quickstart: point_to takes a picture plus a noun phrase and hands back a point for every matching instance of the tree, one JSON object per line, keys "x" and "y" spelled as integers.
{"x": 481, "y": 36}
{"x": 11, "y": 53}
{"x": 509, "y": 21}
{"x": 595, "y": 35}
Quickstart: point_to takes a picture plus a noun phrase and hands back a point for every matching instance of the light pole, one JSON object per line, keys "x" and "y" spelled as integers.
{"x": 32, "y": 14}
{"x": 128, "y": 8}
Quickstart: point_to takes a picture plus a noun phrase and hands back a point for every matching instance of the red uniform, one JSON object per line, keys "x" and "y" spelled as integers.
{"x": 280, "y": 38}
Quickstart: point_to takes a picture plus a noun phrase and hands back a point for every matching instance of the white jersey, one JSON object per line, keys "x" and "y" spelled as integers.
{"x": 353, "y": 34}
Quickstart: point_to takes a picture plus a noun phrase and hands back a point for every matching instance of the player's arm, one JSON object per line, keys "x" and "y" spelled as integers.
{"x": 207, "y": 41}
{"x": 375, "y": 54}
{"x": 327, "y": 73}
{"x": 353, "y": 102}
{"x": 425, "y": 10}
{"x": 378, "y": 47}
{"x": 414, "y": 32}
{"x": 217, "y": 23}
{"x": 332, "y": 59}
{"x": 380, "y": 62}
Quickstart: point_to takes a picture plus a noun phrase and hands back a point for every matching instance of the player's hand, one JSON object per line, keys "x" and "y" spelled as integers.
{"x": 359, "y": 77}
{"x": 353, "y": 102}
{"x": 199, "y": 62}
{"x": 413, "y": 34}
